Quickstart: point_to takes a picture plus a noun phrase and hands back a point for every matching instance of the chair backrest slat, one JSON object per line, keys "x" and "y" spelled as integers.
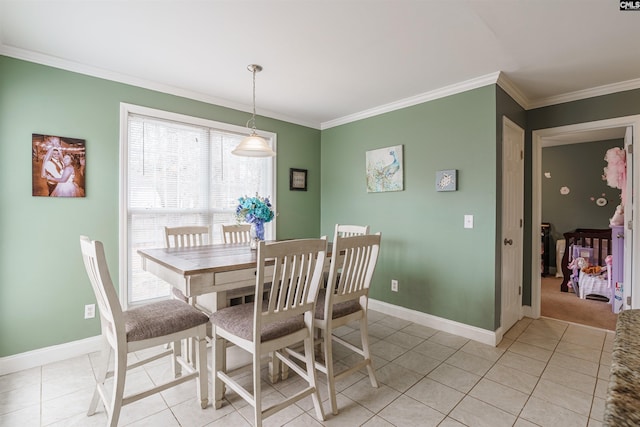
{"x": 295, "y": 281}
{"x": 106, "y": 297}
{"x": 343, "y": 230}
{"x": 352, "y": 265}
{"x": 186, "y": 236}
{"x": 236, "y": 233}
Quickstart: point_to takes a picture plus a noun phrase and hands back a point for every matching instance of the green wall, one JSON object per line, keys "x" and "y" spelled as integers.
{"x": 443, "y": 269}
{"x": 43, "y": 286}
{"x": 578, "y": 167}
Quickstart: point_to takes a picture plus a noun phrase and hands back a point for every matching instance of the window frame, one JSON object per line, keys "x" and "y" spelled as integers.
{"x": 125, "y": 111}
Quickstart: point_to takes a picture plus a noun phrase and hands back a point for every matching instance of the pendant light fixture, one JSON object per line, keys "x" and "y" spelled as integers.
{"x": 253, "y": 145}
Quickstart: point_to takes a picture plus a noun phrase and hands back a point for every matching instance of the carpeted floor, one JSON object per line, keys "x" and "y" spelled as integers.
{"x": 567, "y": 306}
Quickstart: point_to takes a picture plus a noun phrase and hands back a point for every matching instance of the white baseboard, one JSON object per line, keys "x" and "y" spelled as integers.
{"x": 473, "y": 333}
{"x": 56, "y": 353}
{"x": 43, "y": 356}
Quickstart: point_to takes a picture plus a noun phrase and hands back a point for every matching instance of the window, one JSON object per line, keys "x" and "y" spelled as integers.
{"x": 179, "y": 170}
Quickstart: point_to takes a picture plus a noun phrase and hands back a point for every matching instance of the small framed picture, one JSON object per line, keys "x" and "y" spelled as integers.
{"x": 297, "y": 179}
{"x": 446, "y": 180}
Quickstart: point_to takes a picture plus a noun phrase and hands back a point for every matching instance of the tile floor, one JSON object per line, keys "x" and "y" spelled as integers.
{"x": 544, "y": 373}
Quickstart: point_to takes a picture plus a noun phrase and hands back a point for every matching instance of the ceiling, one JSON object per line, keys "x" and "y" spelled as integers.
{"x": 327, "y": 62}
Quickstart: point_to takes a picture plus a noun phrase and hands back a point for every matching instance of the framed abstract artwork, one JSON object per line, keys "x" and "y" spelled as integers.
{"x": 384, "y": 169}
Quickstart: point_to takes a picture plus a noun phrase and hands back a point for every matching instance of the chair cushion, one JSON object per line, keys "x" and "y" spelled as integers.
{"x": 339, "y": 310}
{"x": 161, "y": 318}
{"x": 239, "y": 321}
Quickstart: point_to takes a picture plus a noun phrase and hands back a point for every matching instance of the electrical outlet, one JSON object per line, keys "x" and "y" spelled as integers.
{"x": 394, "y": 285}
{"x": 89, "y": 311}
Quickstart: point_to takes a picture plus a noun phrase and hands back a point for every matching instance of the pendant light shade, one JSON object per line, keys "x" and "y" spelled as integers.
{"x": 253, "y": 145}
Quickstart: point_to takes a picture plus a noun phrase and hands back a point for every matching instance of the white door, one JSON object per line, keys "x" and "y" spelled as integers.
{"x": 628, "y": 230}
{"x": 512, "y": 222}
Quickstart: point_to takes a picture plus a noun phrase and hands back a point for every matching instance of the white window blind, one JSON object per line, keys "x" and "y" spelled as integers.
{"x": 182, "y": 172}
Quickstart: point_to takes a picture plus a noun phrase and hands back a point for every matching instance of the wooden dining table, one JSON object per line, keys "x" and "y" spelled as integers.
{"x": 201, "y": 270}
{"x": 210, "y": 270}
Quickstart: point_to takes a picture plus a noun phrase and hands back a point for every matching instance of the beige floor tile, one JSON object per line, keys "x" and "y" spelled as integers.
{"x": 500, "y": 396}
{"x": 394, "y": 322}
{"x": 161, "y": 419}
{"x": 434, "y": 350}
{"x": 20, "y": 398}
{"x": 565, "y": 361}
{"x": 20, "y": 379}
{"x": 513, "y": 378}
{"x": 454, "y": 377}
{"x": 27, "y": 416}
{"x": 565, "y": 397}
{"x": 470, "y": 363}
{"x": 550, "y": 327}
{"x": 372, "y": 398}
{"x": 526, "y": 364}
{"x": 597, "y": 409}
{"x": 397, "y": 377}
{"x": 419, "y": 330}
{"x": 579, "y": 351}
{"x": 351, "y": 413}
{"x": 531, "y": 351}
{"x": 546, "y": 414}
{"x": 405, "y": 411}
{"x": 278, "y": 419}
{"x": 304, "y": 420}
{"x": 473, "y": 412}
{"x": 417, "y": 362}
{"x": 404, "y": 340}
{"x": 450, "y": 422}
{"x": 377, "y": 421}
{"x": 571, "y": 379}
{"x": 449, "y": 340}
{"x": 380, "y": 331}
{"x": 483, "y": 350}
{"x": 436, "y": 395}
{"x": 386, "y": 350}
{"x": 531, "y": 338}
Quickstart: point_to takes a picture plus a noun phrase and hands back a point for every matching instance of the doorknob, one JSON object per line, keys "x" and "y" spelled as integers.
{"x": 508, "y": 241}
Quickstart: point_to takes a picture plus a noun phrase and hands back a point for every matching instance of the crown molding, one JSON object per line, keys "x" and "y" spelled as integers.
{"x": 586, "y": 93}
{"x": 75, "y": 67}
{"x": 513, "y": 91}
{"x": 415, "y": 100}
{"x": 498, "y": 78}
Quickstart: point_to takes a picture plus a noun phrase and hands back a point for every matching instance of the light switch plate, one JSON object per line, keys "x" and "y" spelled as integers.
{"x": 468, "y": 221}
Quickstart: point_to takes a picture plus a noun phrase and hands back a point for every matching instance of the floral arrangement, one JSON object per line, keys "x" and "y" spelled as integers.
{"x": 255, "y": 210}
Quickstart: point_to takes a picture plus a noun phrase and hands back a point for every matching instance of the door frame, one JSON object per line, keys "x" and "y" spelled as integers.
{"x": 558, "y": 136}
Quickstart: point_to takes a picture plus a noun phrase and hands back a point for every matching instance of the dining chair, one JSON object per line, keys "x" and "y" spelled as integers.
{"x": 236, "y": 233}
{"x": 267, "y": 327}
{"x": 351, "y": 230}
{"x": 140, "y": 328}
{"x": 345, "y": 300}
{"x": 185, "y": 236}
